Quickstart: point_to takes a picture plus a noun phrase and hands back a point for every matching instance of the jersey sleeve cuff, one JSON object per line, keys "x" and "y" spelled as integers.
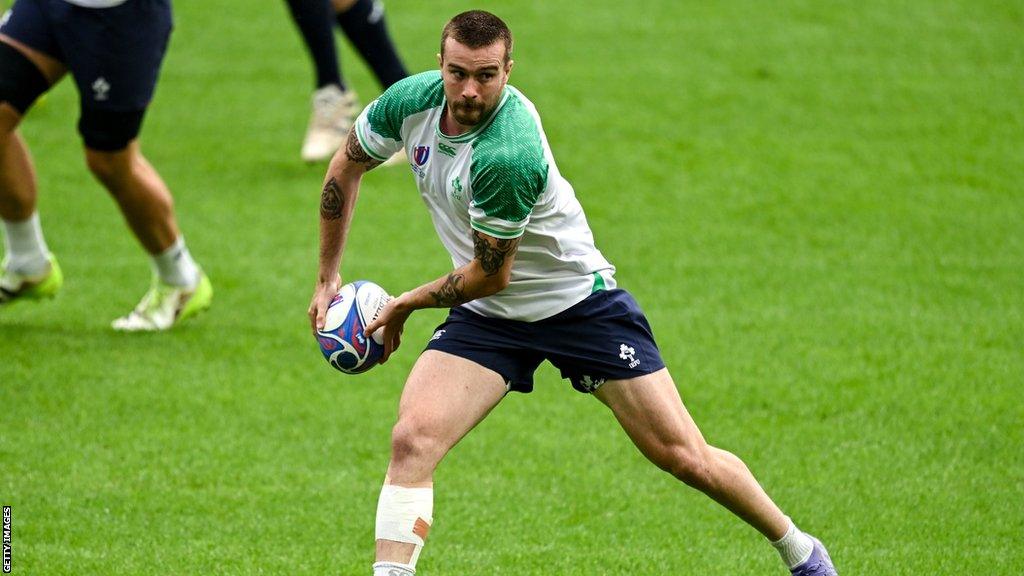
{"x": 503, "y": 232}
{"x": 364, "y": 142}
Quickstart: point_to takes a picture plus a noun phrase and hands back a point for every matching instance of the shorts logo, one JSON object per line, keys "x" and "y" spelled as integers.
{"x": 626, "y": 353}
{"x": 590, "y": 384}
{"x": 421, "y": 154}
{"x": 100, "y": 88}
{"x": 437, "y": 335}
{"x": 5, "y": 18}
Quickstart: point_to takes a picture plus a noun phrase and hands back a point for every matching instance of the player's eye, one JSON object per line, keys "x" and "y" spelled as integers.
{"x": 486, "y": 77}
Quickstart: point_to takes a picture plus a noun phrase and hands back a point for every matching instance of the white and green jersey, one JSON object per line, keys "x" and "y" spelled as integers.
{"x": 500, "y": 179}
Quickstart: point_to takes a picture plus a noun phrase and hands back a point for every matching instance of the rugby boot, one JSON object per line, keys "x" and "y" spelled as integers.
{"x": 819, "y": 563}
{"x": 334, "y": 112}
{"x": 18, "y": 287}
{"x": 164, "y": 306}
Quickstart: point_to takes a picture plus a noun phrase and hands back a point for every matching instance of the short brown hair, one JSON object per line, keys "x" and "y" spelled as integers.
{"x": 477, "y": 29}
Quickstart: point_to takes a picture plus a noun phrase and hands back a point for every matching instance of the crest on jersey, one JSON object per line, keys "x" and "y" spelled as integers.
{"x": 421, "y": 154}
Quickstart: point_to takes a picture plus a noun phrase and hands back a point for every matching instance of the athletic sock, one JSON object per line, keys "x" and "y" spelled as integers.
{"x": 392, "y": 569}
{"x": 313, "y": 18}
{"x": 795, "y": 547}
{"x": 364, "y": 25}
{"x": 176, "y": 267}
{"x": 25, "y": 247}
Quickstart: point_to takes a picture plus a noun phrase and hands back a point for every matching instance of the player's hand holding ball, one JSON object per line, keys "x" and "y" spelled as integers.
{"x": 322, "y": 297}
{"x": 390, "y": 323}
{"x": 341, "y": 329}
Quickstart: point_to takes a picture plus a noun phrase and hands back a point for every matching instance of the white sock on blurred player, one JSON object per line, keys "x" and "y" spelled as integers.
{"x": 25, "y": 247}
{"x": 175, "y": 265}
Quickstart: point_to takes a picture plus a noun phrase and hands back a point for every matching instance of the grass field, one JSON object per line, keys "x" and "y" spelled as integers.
{"x": 819, "y": 205}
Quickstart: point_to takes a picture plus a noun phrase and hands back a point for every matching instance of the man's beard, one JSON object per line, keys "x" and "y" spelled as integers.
{"x": 468, "y": 114}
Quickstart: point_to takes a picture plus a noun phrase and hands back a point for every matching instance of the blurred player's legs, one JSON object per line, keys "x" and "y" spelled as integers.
{"x": 445, "y": 396}
{"x": 42, "y": 39}
{"x": 335, "y": 105}
{"x": 313, "y": 18}
{"x": 180, "y": 288}
{"x": 364, "y": 25}
{"x": 652, "y": 414}
{"x": 29, "y": 271}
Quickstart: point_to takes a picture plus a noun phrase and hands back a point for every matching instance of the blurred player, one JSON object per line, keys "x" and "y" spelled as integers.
{"x": 113, "y": 49}
{"x": 529, "y": 285}
{"x": 335, "y": 104}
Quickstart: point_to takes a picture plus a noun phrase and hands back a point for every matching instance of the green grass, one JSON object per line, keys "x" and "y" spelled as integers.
{"x": 819, "y": 207}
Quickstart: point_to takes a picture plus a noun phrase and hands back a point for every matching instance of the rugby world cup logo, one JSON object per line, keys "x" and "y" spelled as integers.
{"x": 421, "y": 154}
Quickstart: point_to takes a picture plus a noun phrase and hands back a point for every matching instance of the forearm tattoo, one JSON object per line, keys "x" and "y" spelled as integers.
{"x": 450, "y": 293}
{"x": 330, "y": 201}
{"x": 492, "y": 258}
{"x": 355, "y": 151}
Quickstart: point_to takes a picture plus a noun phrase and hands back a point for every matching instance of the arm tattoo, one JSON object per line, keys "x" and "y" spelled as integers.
{"x": 492, "y": 258}
{"x": 355, "y": 151}
{"x": 330, "y": 201}
{"x": 450, "y": 293}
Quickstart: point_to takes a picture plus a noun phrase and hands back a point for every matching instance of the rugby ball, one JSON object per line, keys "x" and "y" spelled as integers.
{"x": 342, "y": 341}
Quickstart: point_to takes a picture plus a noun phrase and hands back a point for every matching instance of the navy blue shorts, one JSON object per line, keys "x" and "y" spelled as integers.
{"x": 114, "y": 54}
{"x": 604, "y": 337}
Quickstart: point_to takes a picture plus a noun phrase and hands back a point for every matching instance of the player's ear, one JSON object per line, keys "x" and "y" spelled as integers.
{"x": 508, "y": 66}
{"x": 440, "y": 61}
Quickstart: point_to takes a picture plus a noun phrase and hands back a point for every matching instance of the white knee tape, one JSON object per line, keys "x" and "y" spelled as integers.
{"x": 404, "y": 515}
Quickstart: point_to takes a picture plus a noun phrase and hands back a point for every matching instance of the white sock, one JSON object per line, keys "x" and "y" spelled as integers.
{"x": 392, "y": 569}
{"x": 795, "y": 547}
{"x": 25, "y": 246}
{"x": 175, "y": 265}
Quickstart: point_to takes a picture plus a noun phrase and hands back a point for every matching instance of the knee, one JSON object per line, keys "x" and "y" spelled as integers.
{"x": 108, "y": 167}
{"x": 690, "y": 464}
{"x": 412, "y": 444}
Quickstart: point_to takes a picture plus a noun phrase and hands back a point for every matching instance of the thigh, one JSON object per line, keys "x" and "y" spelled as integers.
{"x": 445, "y": 396}
{"x": 115, "y": 54}
{"x": 652, "y": 413}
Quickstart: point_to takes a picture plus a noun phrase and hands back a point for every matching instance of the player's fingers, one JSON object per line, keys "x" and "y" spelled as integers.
{"x": 370, "y": 329}
{"x": 387, "y": 349}
{"x": 311, "y": 312}
{"x": 379, "y": 320}
{"x": 393, "y": 339}
{"x": 321, "y": 314}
